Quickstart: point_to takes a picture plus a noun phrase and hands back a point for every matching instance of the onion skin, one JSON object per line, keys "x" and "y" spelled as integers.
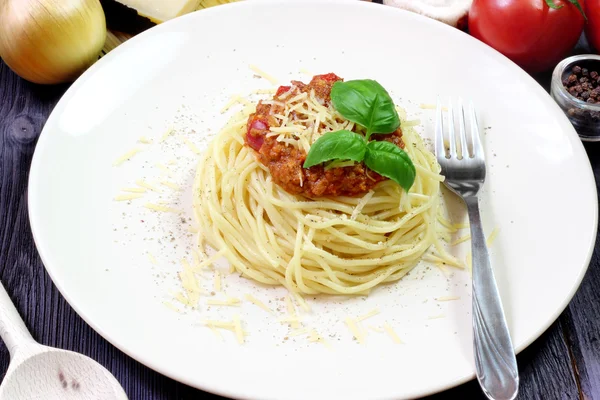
{"x": 51, "y": 41}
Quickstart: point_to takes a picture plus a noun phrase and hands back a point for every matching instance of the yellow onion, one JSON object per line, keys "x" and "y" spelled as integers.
{"x": 51, "y": 41}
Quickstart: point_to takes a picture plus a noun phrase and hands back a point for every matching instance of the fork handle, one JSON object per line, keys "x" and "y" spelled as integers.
{"x": 495, "y": 359}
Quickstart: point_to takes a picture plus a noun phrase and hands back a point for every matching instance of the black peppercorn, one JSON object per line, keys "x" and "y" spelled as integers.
{"x": 572, "y": 78}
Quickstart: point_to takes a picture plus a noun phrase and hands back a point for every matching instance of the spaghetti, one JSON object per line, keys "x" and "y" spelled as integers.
{"x": 333, "y": 245}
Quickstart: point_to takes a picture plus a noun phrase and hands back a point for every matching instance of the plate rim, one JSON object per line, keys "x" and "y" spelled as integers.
{"x": 206, "y": 13}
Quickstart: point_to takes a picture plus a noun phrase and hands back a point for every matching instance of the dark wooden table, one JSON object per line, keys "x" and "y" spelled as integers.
{"x": 564, "y": 363}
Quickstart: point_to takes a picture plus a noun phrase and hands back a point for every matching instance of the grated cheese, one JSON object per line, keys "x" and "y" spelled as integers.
{"x": 134, "y": 190}
{"x": 239, "y": 333}
{"x": 165, "y": 169}
{"x": 299, "y": 332}
{"x": 171, "y": 185}
{"x": 182, "y": 299}
{"x": 303, "y": 119}
{"x": 145, "y": 140}
{"x": 146, "y": 185}
{"x": 370, "y": 314}
{"x": 431, "y": 107}
{"x": 130, "y": 196}
{"x": 264, "y": 91}
{"x": 217, "y": 281}
{"x": 461, "y": 240}
{"x": 161, "y": 208}
{"x": 355, "y": 329}
{"x": 234, "y": 326}
{"x": 126, "y": 157}
{"x": 196, "y": 258}
{"x": 219, "y": 324}
{"x": 230, "y": 301}
{"x": 315, "y": 337}
{"x": 292, "y": 312}
{"x": 258, "y": 303}
{"x": 391, "y": 333}
{"x": 190, "y": 284}
{"x": 216, "y": 332}
{"x": 171, "y": 306}
{"x": 209, "y": 261}
{"x": 290, "y": 319}
{"x": 361, "y": 204}
{"x": 444, "y": 269}
{"x": 191, "y": 145}
{"x": 167, "y": 133}
{"x": 490, "y": 240}
{"x": 469, "y": 262}
{"x": 446, "y": 223}
{"x": 152, "y": 259}
{"x": 263, "y": 74}
{"x": 447, "y": 298}
{"x": 437, "y": 316}
{"x": 301, "y": 301}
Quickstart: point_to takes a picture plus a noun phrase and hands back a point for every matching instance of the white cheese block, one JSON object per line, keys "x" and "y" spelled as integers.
{"x": 161, "y": 10}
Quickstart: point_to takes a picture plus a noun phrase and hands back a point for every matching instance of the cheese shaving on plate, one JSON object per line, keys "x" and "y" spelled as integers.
{"x": 258, "y": 303}
{"x": 126, "y": 157}
{"x": 129, "y": 196}
{"x": 391, "y": 333}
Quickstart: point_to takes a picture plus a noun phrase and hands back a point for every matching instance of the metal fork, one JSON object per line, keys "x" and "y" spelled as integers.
{"x": 464, "y": 170}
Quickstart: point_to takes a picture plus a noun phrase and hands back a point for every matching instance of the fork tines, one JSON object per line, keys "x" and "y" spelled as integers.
{"x": 453, "y": 148}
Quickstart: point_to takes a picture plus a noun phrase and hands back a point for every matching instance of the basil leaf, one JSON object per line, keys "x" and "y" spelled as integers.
{"x": 367, "y": 103}
{"x": 339, "y": 145}
{"x": 390, "y": 161}
{"x": 552, "y": 5}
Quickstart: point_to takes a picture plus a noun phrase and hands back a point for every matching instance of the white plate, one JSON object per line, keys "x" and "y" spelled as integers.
{"x": 540, "y": 194}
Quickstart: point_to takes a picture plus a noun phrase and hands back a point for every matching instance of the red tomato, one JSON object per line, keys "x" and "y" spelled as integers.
{"x": 282, "y": 89}
{"x": 592, "y": 28}
{"x": 529, "y": 32}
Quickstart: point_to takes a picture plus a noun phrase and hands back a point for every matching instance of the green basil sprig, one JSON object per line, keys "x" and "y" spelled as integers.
{"x": 366, "y": 103}
{"x": 339, "y": 145}
{"x": 391, "y": 161}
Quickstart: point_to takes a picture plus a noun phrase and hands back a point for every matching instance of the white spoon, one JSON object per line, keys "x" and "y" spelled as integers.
{"x": 38, "y": 372}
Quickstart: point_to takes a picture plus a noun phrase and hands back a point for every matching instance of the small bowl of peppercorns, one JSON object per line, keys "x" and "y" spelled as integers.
{"x": 576, "y": 88}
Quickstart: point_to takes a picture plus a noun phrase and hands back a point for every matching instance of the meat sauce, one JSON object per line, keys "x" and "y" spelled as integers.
{"x": 285, "y": 161}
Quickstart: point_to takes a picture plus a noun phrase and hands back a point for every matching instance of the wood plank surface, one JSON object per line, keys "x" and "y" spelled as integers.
{"x": 546, "y": 366}
{"x": 582, "y": 322}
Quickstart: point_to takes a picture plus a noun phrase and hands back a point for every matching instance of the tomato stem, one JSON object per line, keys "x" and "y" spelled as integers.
{"x": 576, "y": 3}
{"x": 553, "y": 5}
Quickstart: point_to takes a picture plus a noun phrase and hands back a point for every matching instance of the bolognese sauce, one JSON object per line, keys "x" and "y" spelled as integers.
{"x": 285, "y": 162}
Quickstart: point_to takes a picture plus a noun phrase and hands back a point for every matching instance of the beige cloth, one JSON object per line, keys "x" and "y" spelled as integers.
{"x": 451, "y": 12}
